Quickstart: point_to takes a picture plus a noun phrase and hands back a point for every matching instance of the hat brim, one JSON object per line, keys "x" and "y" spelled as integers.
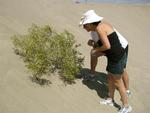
{"x": 90, "y": 20}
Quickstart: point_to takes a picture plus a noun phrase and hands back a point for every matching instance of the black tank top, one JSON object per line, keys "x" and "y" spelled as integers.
{"x": 116, "y": 51}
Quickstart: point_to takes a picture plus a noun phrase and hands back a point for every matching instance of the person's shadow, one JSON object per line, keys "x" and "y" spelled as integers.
{"x": 99, "y": 84}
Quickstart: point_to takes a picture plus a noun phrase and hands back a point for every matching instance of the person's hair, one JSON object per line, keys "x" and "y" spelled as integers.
{"x": 96, "y": 23}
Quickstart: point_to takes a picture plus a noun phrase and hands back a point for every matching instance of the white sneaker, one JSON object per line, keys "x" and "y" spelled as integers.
{"x": 107, "y": 101}
{"x": 125, "y": 109}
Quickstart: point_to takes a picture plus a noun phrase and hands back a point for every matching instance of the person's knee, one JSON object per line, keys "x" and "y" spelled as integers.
{"x": 93, "y": 55}
{"x": 116, "y": 84}
{"x": 109, "y": 78}
{"x": 117, "y": 79}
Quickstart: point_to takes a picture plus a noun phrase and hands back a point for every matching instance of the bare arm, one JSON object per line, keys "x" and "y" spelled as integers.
{"x": 102, "y": 31}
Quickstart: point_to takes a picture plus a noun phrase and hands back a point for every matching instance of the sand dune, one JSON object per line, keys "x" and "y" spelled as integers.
{"x": 19, "y": 95}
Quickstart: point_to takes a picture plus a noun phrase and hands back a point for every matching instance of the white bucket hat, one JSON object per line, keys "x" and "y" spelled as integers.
{"x": 89, "y": 17}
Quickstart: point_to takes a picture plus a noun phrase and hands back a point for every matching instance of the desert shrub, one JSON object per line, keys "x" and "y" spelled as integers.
{"x": 44, "y": 51}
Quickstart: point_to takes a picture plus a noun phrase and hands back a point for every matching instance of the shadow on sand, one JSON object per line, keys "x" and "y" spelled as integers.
{"x": 99, "y": 84}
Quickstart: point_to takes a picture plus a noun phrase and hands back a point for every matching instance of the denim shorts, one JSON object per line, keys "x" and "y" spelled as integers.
{"x": 118, "y": 68}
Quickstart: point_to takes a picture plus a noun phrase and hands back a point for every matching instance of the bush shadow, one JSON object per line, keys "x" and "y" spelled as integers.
{"x": 40, "y": 81}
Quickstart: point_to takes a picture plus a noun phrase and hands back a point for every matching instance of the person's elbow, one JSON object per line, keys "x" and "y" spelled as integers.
{"x": 107, "y": 46}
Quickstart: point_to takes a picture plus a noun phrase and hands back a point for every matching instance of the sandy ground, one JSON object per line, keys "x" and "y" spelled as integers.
{"x": 19, "y": 95}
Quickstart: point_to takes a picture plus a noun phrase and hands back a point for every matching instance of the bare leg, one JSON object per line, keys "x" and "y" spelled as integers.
{"x": 111, "y": 86}
{"x": 121, "y": 88}
{"x": 93, "y": 63}
{"x": 94, "y": 59}
{"x": 125, "y": 80}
